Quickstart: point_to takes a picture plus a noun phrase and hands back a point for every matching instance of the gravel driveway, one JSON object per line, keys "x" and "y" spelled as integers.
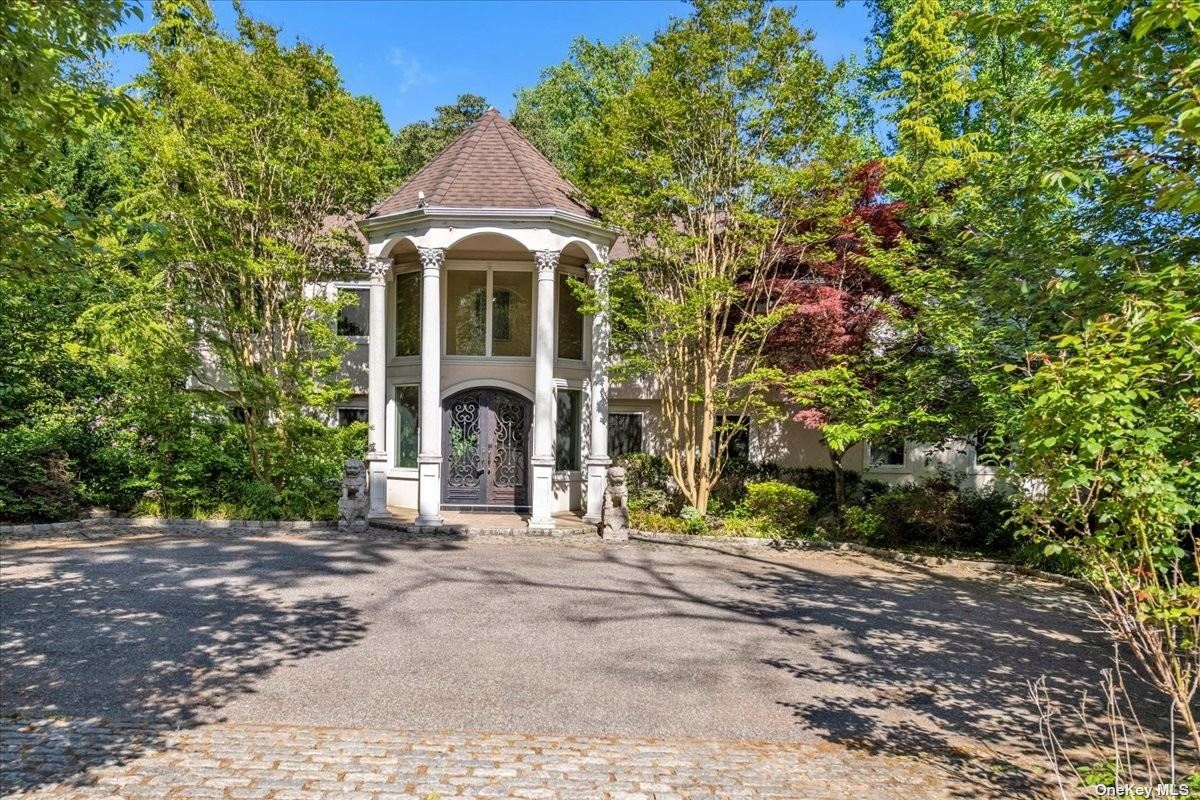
{"x": 544, "y": 637}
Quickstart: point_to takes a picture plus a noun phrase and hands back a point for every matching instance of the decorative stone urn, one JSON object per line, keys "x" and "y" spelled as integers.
{"x": 615, "y": 523}
{"x": 355, "y": 502}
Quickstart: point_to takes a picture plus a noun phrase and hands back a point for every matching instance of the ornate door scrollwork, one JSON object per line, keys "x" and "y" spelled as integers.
{"x": 487, "y": 449}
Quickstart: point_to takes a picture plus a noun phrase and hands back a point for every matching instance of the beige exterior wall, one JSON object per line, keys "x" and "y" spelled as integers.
{"x": 789, "y": 444}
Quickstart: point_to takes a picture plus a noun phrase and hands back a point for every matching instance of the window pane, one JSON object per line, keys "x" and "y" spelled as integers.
{"x": 512, "y": 313}
{"x": 737, "y": 445}
{"x": 353, "y": 319}
{"x": 887, "y": 454}
{"x": 466, "y": 312}
{"x": 348, "y": 416}
{"x": 566, "y": 448}
{"x": 624, "y": 434}
{"x": 408, "y": 314}
{"x": 570, "y": 322}
{"x": 406, "y": 426}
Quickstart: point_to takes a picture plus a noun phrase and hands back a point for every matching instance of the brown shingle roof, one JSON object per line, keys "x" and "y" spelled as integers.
{"x": 490, "y": 165}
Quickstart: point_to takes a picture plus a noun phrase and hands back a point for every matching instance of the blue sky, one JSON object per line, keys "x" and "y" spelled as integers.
{"x": 412, "y": 56}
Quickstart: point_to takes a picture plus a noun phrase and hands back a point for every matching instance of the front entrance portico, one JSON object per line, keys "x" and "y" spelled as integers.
{"x": 493, "y": 311}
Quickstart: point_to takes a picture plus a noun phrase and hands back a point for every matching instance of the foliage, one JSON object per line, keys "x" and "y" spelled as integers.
{"x": 418, "y": 142}
{"x": 785, "y": 506}
{"x": 649, "y": 481}
{"x": 693, "y": 520}
{"x": 1103, "y": 411}
{"x": 557, "y": 113}
{"x": 1109, "y": 440}
{"x": 937, "y": 511}
{"x": 245, "y": 151}
{"x": 641, "y": 520}
{"x": 703, "y": 163}
{"x": 52, "y": 98}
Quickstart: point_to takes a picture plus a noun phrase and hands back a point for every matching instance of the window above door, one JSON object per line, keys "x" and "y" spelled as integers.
{"x": 489, "y": 312}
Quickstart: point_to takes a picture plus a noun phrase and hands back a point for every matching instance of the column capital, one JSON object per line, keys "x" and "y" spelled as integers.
{"x": 379, "y": 268}
{"x": 547, "y": 263}
{"x": 432, "y": 258}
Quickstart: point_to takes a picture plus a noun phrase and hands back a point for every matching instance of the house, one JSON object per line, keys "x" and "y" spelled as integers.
{"x": 485, "y": 386}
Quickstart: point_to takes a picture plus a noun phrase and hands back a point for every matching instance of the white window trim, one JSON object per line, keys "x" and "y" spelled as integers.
{"x": 564, "y": 385}
{"x": 390, "y": 428}
{"x": 870, "y": 466}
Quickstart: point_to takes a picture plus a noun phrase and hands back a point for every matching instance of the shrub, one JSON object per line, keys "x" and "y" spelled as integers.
{"x": 693, "y": 520}
{"x": 935, "y": 511}
{"x": 651, "y": 521}
{"x": 753, "y": 527}
{"x": 781, "y": 504}
{"x": 861, "y": 524}
{"x": 649, "y": 482}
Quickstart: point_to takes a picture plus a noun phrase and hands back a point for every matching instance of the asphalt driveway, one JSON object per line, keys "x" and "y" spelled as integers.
{"x": 542, "y": 637}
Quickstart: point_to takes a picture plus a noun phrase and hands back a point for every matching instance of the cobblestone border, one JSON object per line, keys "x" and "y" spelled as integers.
{"x": 109, "y": 527}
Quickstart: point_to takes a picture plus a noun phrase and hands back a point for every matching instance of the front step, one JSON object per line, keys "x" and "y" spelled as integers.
{"x": 464, "y": 531}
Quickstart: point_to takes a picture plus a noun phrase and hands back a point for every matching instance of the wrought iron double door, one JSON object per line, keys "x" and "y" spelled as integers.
{"x": 486, "y": 442}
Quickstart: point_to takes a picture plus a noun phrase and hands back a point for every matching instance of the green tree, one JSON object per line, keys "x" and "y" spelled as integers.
{"x": 557, "y": 113}
{"x": 248, "y": 152}
{"x": 707, "y": 163}
{"x": 52, "y": 96}
{"x": 418, "y": 142}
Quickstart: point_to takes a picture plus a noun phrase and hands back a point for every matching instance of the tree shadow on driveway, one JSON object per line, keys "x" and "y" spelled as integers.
{"x": 911, "y": 661}
{"x": 104, "y": 649}
{"x": 887, "y": 659}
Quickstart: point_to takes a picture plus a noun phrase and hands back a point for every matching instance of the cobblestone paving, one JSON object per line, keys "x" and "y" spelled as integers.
{"x": 89, "y": 760}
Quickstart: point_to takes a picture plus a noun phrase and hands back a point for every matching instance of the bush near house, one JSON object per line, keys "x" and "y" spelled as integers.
{"x": 769, "y": 501}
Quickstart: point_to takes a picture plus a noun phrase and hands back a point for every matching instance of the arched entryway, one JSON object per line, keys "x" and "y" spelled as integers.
{"x": 486, "y": 442}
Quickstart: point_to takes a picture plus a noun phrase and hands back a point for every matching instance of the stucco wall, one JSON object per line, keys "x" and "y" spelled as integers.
{"x": 789, "y": 444}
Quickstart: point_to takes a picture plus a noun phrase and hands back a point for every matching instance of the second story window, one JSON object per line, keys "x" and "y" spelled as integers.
{"x": 570, "y": 321}
{"x": 354, "y": 318}
{"x": 408, "y": 314}
{"x": 489, "y": 312}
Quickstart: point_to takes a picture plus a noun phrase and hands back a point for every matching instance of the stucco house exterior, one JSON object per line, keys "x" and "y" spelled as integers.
{"x": 484, "y": 385}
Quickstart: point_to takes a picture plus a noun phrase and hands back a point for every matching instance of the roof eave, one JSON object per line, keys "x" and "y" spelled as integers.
{"x": 396, "y": 219}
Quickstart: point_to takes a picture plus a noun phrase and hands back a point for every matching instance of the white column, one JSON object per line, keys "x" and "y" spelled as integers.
{"x": 429, "y": 457}
{"x": 542, "y": 460}
{"x": 598, "y": 460}
{"x": 377, "y": 456}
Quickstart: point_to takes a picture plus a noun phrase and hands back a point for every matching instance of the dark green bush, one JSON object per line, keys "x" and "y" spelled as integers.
{"x": 935, "y": 511}
{"x": 730, "y": 490}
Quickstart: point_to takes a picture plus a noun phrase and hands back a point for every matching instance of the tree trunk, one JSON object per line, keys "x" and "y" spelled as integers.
{"x": 839, "y": 486}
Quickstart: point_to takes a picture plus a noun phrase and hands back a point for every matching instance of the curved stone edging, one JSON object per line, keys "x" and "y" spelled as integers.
{"x": 101, "y": 526}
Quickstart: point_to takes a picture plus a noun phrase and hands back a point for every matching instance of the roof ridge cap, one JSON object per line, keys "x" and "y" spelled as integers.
{"x": 456, "y": 168}
{"x": 533, "y": 188}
